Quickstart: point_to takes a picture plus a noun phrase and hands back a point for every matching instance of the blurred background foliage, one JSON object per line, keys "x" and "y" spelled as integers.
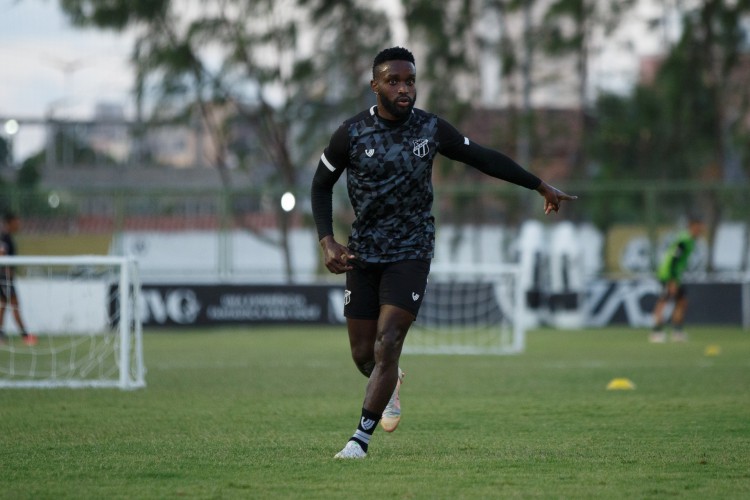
{"x": 285, "y": 73}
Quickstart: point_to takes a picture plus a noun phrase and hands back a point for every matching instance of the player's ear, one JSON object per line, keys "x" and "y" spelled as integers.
{"x": 374, "y": 86}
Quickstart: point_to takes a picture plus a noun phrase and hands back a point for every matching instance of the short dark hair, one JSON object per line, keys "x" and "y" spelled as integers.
{"x": 9, "y": 216}
{"x": 392, "y": 54}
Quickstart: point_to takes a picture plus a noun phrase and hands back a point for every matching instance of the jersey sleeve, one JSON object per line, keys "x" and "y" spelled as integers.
{"x": 336, "y": 155}
{"x": 331, "y": 165}
{"x": 677, "y": 264}
{"x": 489, "y": 161}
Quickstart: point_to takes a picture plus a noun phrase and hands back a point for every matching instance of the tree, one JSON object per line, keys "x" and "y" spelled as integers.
{"x": 687, "y": 123}
{"x": 260, "y": 62}
{"x": 690, "y": 122}
{"x": 447, "y": 45}
{"x": 5, "y": 153}
{"x": 570, "y": 29}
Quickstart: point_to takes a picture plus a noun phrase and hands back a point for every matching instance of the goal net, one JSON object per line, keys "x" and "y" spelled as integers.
{"x": 83, "y": 311}
{"x": 470, "y": 309}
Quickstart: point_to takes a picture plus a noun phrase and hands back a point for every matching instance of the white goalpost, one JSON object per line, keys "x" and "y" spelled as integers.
{"x": 84, "y": 312}
{"x": 470, "y": 309}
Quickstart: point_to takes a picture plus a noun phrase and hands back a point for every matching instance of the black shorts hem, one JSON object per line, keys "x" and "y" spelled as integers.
{"x": 361, "y": 316}
{"x": 365, "y": 316}
{"x": 410, "y": 309}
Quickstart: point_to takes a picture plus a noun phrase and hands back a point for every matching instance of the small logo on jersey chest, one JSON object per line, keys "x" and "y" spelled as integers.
{"x": 420, "y": 147}
{"x": 369, "y": 152}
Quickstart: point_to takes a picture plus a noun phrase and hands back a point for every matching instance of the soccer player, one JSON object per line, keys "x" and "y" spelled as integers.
{"x": 388, "y": 151}
{"x": 8, "y": 293}
{"x": 673, "y": 265}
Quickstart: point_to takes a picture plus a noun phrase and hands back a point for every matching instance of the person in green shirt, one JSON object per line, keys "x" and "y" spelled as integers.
{"x": 673, "y": 265}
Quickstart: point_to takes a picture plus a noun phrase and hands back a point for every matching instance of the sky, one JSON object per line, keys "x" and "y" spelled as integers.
{"x": 48, "y": 67}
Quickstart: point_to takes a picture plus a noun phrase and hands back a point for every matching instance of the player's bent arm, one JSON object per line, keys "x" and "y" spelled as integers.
{"x": 321, "y": 198}
{"x": 331, "y": 165}
{"x": 335, "y": 255}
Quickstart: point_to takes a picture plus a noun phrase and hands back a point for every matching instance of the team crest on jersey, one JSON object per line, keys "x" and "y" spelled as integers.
{"x": 369, "y": 152}
{"x": 420, "y": 147}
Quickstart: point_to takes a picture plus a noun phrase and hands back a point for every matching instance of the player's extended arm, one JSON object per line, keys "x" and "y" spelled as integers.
{"x": 496, "y": 164}
{"x": 552, "y": 197}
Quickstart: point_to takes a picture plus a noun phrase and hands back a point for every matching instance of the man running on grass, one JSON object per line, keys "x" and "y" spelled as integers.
{"x": 674, "y": 263}
{"x": 388, "y": 152}
{"x": 8, "y": 293}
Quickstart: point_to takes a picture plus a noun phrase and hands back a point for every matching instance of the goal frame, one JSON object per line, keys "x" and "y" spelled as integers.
{"x": 517, "y": 327}
{"x": 131, "y": 368}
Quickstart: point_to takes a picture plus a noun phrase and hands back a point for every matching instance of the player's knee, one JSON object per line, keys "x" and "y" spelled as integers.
{"x": 389, "y": 343}
{"x": 667, "y": 296}
{"x": 365, "y": 367}
{"x": 363, "y": 358}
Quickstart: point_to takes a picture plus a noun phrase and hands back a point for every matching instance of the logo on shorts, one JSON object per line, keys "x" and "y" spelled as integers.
{"x": 369, "y": 152}
{"x": 347, "y": 296}
{"x": 415, "y": 296}
{"x": 420, "y": 147}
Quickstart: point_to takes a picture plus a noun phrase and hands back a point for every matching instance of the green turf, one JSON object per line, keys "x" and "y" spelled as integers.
{"x": 259, "y": 413}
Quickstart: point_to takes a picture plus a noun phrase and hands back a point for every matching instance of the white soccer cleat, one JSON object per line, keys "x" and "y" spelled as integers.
{"x": 679, "y": 336}
{"x": 657, "y": 337}
{"x": 392, "y": 413}
{"x": 351, "y": 450}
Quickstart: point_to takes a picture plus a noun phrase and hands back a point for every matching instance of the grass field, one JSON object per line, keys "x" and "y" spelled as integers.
{"x": 259, "y": 413}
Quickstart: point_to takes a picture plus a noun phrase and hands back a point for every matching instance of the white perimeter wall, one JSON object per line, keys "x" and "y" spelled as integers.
{"x": 53, "y": 307}
{"x": 245, "y": 257}
{"x": 240, "y": 256}
{"x": 206, "y": 256}
{"x": 200, "y": 256}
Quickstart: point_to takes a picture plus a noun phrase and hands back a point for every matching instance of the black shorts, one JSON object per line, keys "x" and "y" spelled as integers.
{"x": 681, "y": 292}
{"x": 371, "y": 285}
{"x": 7, "y": 289}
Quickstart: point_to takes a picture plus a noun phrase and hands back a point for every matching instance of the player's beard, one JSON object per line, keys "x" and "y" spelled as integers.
{"x": 396, "y": 110}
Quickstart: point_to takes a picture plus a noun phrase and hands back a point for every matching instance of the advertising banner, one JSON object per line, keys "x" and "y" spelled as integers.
{"x": 631, "y": 302}
{"x": 204, "y": 305}
{"x": 604, "y": 303}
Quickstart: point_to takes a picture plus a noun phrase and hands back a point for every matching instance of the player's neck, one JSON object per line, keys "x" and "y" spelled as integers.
{"x": 392, "y": 123}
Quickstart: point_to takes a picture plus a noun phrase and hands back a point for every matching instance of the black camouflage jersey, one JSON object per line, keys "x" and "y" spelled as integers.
{"x": 389, "y": 180}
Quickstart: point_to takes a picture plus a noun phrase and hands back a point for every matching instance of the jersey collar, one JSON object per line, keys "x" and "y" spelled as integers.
{"x": 390, "y": 123}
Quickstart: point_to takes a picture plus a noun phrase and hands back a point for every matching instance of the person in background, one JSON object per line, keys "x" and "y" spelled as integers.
{"x": 8, "y": 293}
{"x": 387, "y": 152}
{"x": 673, "y": 265}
